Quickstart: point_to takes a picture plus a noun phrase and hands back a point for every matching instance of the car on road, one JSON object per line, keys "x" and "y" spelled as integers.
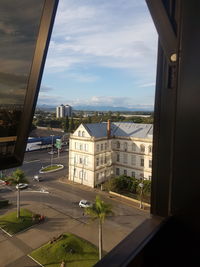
{"x": 37, "y": 178}
{"x": 21, "y": 186}
{"x": 85, "y": 204}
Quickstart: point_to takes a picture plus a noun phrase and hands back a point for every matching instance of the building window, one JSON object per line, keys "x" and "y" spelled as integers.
{"x": 117, "y": 171}
{"x": 101, "y": 160}
{"x": 133, "y": 160}
{"x": 142, "y": 162}
{"x": 134, "y": 147}
{"x": 75, "y": 144}
{"x": 101, "y": 147}
{"x": 80, "y": 160}
{"x": 97, "y": 147}
{"x": 81, "y": 147}
{"x": 150, "y": 163}
{"x": 86, "y": 147}
{"x": 105, "y": 146}
{"x": 125, "y": 158}
{"x": 75, "y": 159}
{"x": 83, "y": 134}
{"x": 85, "y": 176}
{"x": 142, "y": 148}
{"x": 97, "y": 161}
{"x": 79, "y": 133}
{"x": 118, "y": 144}
{"x": 97, "y": 176}
{"x": 105, "y": 159}
{"x": 141, "y": 176}
{"x": 118, "y": 158}
{"x": 80, "y": 174}
{"x": 125, "y": 146}
{"x": 133, "y": 174}
{"x": 86, "y": 160}
{"x": 75, "y": 172}
{"x": 150, "y": 149}
{"x": 125, "y": 172}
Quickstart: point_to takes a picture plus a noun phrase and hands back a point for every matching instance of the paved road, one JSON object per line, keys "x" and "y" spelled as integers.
{"x": 52, "y": 196}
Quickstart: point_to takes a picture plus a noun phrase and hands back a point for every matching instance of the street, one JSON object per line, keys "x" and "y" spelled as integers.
{"x": 56, "y": 194}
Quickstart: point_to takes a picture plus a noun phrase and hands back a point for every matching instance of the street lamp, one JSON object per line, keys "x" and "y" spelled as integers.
{"x": 52, "y": 148}
{"x": 141, "y": 185}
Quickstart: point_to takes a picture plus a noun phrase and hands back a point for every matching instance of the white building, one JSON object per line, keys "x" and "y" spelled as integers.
{"x": 99, "y": 151}
{"x": 63, "y": 111}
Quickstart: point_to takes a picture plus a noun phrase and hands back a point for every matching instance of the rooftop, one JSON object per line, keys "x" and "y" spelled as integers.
{"x": 120, "y": 129}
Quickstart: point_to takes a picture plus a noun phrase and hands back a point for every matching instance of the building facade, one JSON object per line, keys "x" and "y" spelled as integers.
{"x": 99, "y": 151}
{"x": 63, "y": 111}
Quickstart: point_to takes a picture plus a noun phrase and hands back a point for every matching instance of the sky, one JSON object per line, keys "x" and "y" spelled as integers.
{"x": 101, "y": 53}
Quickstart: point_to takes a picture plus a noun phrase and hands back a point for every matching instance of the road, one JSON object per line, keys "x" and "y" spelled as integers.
{"x": 64, "y": 197}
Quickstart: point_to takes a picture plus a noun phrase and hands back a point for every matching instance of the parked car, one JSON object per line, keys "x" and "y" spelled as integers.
{"x": 85, "y": 204}
{"x": 37, "y": 178}
{"x": 21, "y": 186}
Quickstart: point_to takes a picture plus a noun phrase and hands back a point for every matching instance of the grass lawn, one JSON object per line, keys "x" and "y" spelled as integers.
{"x": 70, "y": 248}
{"x": 12, "y": 225}
{"x": 50, "y": 168}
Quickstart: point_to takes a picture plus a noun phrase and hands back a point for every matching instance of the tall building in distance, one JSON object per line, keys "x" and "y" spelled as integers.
{"x": 63, "y": 111}
{"x": 99, "y": 151}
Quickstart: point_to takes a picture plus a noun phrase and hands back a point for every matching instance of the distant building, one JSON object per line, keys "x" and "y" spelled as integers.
{"x": 63, "y": 111}
{"x": 99, "y": 151}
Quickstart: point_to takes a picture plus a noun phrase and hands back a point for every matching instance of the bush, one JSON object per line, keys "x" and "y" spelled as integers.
{"x": 4, "y": 203}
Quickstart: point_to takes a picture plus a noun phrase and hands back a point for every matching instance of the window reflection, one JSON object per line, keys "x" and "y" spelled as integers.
{"x": 19, "y": 25}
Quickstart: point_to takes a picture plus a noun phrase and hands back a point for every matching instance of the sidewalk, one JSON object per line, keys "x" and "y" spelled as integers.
{"x": 14, "y": 249}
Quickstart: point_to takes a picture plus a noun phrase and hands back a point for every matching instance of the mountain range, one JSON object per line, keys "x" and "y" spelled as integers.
{"x": 99, "y": 108}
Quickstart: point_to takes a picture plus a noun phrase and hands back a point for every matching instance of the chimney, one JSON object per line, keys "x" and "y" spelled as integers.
{"x": 109, "y": 129}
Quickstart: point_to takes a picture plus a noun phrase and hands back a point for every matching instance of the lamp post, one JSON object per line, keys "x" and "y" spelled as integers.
{"x": 141, "y": 185}
{"x": 52, "y": 148}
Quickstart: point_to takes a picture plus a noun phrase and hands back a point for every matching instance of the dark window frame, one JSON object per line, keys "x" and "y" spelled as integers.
{"x": 33, "y": 86}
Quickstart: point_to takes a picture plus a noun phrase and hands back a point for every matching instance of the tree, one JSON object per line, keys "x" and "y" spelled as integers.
{"x": 99, "y": 210}
{"x": 71, "y": 126}
{"x": 18, "y": 177}
{"x": 66, "y": 124}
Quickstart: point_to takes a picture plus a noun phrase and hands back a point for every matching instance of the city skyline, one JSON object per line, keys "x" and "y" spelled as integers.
{"x": 101, "y": 54}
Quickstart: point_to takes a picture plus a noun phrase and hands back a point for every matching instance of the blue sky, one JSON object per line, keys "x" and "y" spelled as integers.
{"x": 101, "y": 53}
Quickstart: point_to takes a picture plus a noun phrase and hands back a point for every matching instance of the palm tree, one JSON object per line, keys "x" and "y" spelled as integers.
{"x": 16, "y": 178}
{"x": 99, "y": 210}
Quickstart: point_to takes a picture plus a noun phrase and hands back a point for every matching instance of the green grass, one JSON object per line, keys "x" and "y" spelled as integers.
{"x": 70, "y": 248}
{"x": 50, "y": 168}
{"x": 11, "y": 224}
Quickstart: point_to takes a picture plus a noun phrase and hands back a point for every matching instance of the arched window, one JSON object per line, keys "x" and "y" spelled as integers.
{"x": 83, "y": 134}
{"x": 118, "y": 144}
{"x": 79, "y": 133}
{"x": 134, "y": 147}
{"x": 142, "y": 148}
{"x": 150, "y": 149}
{"x": 125, "y": 146}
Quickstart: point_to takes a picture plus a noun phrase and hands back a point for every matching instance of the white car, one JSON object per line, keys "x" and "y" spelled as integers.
{"x": 85, "y": 204}
{"x": 21, "y": 186}
{"x": 37, "y": 178}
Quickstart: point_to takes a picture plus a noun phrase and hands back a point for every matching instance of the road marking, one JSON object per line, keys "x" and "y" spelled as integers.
{"x": 36, "y": 160}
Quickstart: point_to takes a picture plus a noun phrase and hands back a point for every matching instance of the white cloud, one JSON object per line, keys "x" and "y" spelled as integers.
{"x": 103, "y": 34}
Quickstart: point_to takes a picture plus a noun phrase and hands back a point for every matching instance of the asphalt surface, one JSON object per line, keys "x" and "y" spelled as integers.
{"x": 55, "y": 194}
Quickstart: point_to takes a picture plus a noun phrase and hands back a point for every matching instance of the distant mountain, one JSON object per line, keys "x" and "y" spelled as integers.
{"x": 99, "y": 108}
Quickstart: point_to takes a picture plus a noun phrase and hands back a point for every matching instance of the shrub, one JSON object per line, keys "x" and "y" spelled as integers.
{"x": 4, "y": 203}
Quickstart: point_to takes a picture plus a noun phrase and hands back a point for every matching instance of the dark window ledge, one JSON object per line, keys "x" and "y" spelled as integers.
{"x": 133, "y": 244}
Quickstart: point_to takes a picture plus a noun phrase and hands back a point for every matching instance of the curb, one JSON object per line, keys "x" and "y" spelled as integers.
{"x": 35, "y": 260}
{"x": 59, "y": 165}
{"x": 6, "y": 232}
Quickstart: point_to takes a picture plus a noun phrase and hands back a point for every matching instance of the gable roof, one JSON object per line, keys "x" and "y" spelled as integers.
{"x": 120, "y": 129}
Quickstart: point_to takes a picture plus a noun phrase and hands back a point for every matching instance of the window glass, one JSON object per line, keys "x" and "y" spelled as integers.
{"x": 19, "y": 25}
